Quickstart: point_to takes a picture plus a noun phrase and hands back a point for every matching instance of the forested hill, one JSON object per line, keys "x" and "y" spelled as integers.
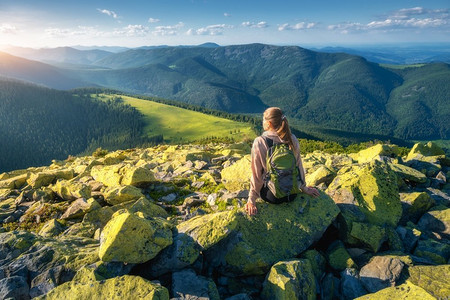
{"x": 318, "y": 90}
{"x": 39, "y": 124}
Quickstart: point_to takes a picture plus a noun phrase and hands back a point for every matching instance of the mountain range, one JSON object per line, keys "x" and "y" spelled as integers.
{"x": 319, "y": 91}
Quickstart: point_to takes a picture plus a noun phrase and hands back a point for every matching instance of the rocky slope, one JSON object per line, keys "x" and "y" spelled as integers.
{"x": 168, "y": 222}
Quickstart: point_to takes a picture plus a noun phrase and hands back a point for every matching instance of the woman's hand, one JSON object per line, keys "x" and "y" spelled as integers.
{"x": 250, "y": 208}
{"x": 311, "y": 191}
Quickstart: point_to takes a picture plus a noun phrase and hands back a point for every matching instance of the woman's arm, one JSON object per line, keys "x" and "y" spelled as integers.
{"x": 259, "y": 152}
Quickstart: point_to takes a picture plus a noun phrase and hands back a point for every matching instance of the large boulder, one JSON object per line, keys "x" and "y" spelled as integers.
{"x": 414, "y": 205}
{"x": 373, "y": 152}
{"x": 292, "y": 279}
{"x": 14, "y": 182}
{"x": 136, "y": 176}
{"x": 186, "y": 284}
{"x": 338, "y": 257}
{"x": 276, "y": 233}
{"x": 237, "y": 176}
{"x": 433, "y": 279}
{"x": 403, "y": 291}
{"x": 436, "y": 220}
{"x": 381, "y": 272}
{"x": 108, "y": 175}
{"x": 86, "y": 285}
{"x": 367, "y": 192}
{"x": 119, "y": 194}
{"x": 430, "y": 149}
{"x": 408, "y": 174}
{"x": 132, "y": 238}
{"x": 14, "y": 287}
{"x": 322, "y": 174}
{"x": 44, "y": 178}
{"x": 70, "y": 190}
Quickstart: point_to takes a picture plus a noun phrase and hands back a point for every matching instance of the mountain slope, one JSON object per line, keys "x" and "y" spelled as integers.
{"x": 36, "y": 72}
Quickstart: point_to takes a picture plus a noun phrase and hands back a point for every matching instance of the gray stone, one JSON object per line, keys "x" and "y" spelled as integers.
{"x": 169, "y": 198}
{"x": 351, "y": 286}
{"x": 381, "y": 272}
{"x": 15, "y": 287}
{"x": 187, "y": 285}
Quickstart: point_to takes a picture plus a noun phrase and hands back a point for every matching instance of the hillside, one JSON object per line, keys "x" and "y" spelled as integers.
{"x": 334, "y": 91}
{"x": 36, "y": 72}
{"x": 168, "y": 222}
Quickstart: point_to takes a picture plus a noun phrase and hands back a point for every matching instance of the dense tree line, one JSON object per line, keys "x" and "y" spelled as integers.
{"x": 38, "y": 124}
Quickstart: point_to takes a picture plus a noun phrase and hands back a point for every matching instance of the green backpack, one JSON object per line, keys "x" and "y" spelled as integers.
{"x": 283, "y": 175}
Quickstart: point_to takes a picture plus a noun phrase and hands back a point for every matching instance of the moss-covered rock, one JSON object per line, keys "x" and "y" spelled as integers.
{"x": 433, "y": 279}
{"x": 133, "y": 239}
{"x": 108, "y": 175}
{"x": 71, "y": 190}
{"x": 436, "y": 220}
{"x": 52, "y": 228}
{"x": 403, "y": 291}
{"x": 276, "y": 233}
{"x": 368, "y": 235}
{"x": 338, "y": 257}
{"x": 425, "y": 149}
{"x": 149, "y": 209}
{"x": 321, "y": 175}
{"x": 373, "y": 152}
{"x": 292, "y": 279}
{"x": 435, "y": 251}
{"x": 367, "y": 193}
{"x": 408, "y": 173}
{"x": 208, "y": 230}
{"x": 186, "y": 284}
{"x": 237, "y": 176}
{"x": 14, "y": 182}
{"x": 318, "y": 262}
{"x": 93, "y": 287}
{"x": 414, "y": 205}
{"x": 39, "y": 179}
{"x": 136, "y": 176}
{"x": 120, "y": 194}
{"x": 80, "y": 207}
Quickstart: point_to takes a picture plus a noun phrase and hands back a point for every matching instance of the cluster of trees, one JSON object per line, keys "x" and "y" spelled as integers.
{"x": 38, "y": 124}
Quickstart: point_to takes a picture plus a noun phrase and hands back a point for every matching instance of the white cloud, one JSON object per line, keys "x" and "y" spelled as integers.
{"x": 216, "y": 29}
{"x": 227, "y": 15}
{"x": 152, "y": 20}
{"x": 8, "y": 29}
{"x": 168, "y": 30}
{"x": 108, "y": 12}
{"x": 132, "y": 30}
{"x": 261, "y": 24}
{"x": 298, "y": 26}
{"x": 416, "y": 17}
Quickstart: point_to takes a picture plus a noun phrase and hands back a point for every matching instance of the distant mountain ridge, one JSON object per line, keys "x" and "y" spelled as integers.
{"x": 319, "y": 91}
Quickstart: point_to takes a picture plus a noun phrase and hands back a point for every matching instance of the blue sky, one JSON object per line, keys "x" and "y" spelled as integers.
{"x": 45, "y": 23}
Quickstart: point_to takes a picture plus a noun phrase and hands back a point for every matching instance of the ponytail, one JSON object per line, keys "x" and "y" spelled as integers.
{"x": 280, "y": 123}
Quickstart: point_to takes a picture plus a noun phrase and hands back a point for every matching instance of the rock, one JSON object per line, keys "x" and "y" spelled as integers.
{"x": 420, "y": 150}
{"x": 208, "y": 230}
{"x": 120, "y": 194}
{"x": 436, "y": 220}
{"x": 14, "y": 182}
{"x": 373, "y": 152}
{"x": 321, "y": 175}
{"x": 182, "y": 253}
{"x": 409, "y": 236}
{"x": 149, "y": 209}
{"x": 338, "y": 257}
{"x": 136, "y": 176}
{"x": 351, "y": 286}
{"x": 277, "y": 232}
{"x": 329, "y": 287}
{"x": 188, "y": 285}
{"x": 414, "y": 205}
{"x": 237, "y": 176}
{"x": 367, "y": 193}
{"x": 80, "y": 207}
{"x": 133, "y": 239}
{"x": 48, "y": 280}
{"x": 37, "y": 180}
{"x": 292, "y": 279}
{"x": 381, "y": 272}
{"x": 71, "y": 190}
{"x": 404, "y": 291}
{"x": 318, "y": 262}
{"x": 368, "y": 235}
{"x": 433, "y": 279}
{"x": 169, "y": 198}
{"x": 212, "y": 198}
{"x": 14, "y": 287}
{"x": 52, "y": 228}
{"x": 437, "y": 252}
{"x": 407, "y": 173}
{"x": 108, "y": 175}
{"x": 94, "y": 287}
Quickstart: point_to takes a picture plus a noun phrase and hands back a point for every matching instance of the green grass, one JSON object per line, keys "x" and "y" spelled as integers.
{"x": 444, "y": 144}
{"x": 401, "y": 67}
{"x": 181, "y": 125}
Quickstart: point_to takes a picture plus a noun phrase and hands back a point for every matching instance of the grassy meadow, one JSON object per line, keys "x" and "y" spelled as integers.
{"x": 178, "y": 125}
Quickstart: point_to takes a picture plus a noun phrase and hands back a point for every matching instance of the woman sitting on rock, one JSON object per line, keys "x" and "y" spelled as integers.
{"x": 271, "y": 180}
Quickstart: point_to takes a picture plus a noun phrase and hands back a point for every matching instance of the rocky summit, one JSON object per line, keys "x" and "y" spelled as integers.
{"x": 168, "y": 222}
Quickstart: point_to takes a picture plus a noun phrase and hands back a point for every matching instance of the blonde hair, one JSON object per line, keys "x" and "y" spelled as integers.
{"x": 279, "y": 122}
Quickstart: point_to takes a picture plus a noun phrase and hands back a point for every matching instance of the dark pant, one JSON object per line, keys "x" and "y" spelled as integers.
{"x": 268, "y": 196}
